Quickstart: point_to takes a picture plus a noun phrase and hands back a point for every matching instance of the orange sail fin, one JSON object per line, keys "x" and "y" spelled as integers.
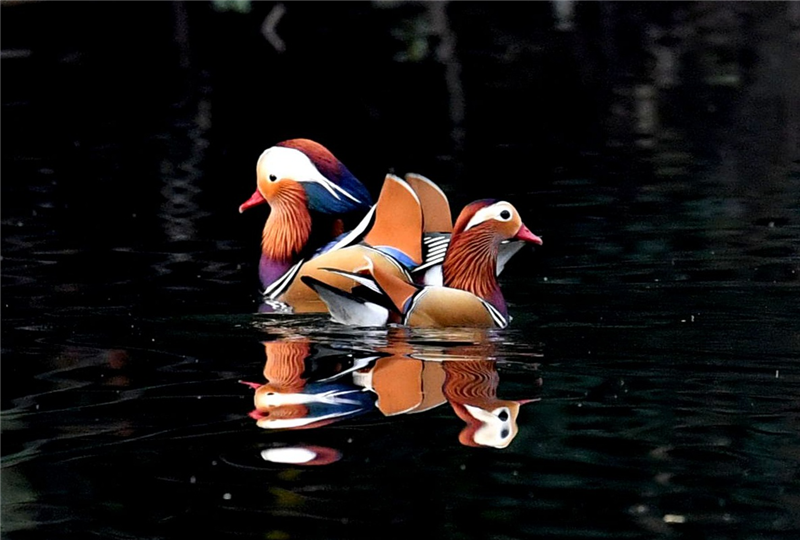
{"x": 398, "y": 219}
{"x": 436, "y": 216}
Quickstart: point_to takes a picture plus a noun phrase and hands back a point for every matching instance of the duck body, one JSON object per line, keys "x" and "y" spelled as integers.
{"x": 470, "y": 295}
{"x": 445, "y": 306}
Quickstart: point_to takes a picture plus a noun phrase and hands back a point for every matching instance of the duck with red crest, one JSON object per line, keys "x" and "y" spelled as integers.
{"x": 312, "y": 196}
{"x": 470, "y": 295}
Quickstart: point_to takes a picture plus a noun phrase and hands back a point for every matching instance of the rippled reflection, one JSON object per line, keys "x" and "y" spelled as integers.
{"x": 309, "y": 385}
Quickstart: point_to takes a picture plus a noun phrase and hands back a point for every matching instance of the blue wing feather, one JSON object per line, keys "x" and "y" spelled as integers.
{"x": 321, "y": 200}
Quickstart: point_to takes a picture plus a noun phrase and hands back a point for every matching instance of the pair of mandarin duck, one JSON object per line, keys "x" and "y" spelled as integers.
{"x": 403, "y": 263}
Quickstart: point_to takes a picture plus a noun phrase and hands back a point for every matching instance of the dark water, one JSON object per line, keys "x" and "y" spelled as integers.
{"x": 646, "y": 388}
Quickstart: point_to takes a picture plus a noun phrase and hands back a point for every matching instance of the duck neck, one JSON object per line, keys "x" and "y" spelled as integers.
{"x": 286, "y": 233}
{"x": 471, "y": 263}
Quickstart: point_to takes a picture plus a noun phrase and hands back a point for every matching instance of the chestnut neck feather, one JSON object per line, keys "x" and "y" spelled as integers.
{"x": 470, "y": 264}
{"x": 471, "y": 382}
{"x": 288, "y": 226}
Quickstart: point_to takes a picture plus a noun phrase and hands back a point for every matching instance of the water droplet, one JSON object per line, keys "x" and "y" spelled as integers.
{"x": 226, "y": 496}
{"x": 639, "y": 509}
{"x": 674, "y": 518}
{"x": 192, "y": 480}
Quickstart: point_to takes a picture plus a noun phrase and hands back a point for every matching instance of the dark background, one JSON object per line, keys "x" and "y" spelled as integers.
{"x": 116, "y": 110}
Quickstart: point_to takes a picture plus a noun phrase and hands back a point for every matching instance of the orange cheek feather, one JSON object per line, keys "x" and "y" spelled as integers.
{"x": 289, "y": 224}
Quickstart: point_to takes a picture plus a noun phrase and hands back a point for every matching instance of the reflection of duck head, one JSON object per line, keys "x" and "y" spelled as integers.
{"x": 315, "y": 406}
{"x": 293, "y": 398}
{"x": 471, "y": 389}
{"x": 286, "y": 364}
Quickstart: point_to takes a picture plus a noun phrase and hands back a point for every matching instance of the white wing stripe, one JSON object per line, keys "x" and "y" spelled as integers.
{"x": 279, "y": 285}
{"x": 496, "y": 315}
{"x": 355, "y": 233}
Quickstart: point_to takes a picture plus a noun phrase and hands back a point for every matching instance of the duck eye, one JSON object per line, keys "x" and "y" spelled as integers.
{"x": 505, "y": 215}
{"x": 272, "y": 178}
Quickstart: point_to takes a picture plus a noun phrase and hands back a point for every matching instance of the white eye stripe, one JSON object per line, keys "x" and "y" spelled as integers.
{"x": 282, "y": 162}
{"x": 501, "y": 211}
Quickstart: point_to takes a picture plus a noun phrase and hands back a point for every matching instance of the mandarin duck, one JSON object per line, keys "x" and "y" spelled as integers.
{"x": 310, "y": 193}
{"x": 405, "y": 234}
{"x": 470, "y": 295}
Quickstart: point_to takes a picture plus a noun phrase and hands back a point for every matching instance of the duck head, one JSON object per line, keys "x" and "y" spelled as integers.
{"x": 328, "y": 186}
{"x": 471, "y": 389}
{"x": 480, "y": 232}
{"x": 308, "y": 190}
{"x": 493, "y": 222}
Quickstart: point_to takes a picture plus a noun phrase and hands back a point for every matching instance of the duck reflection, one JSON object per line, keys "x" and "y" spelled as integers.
{"x": 309, "y": 385}
{"x": 303, "y": 390}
